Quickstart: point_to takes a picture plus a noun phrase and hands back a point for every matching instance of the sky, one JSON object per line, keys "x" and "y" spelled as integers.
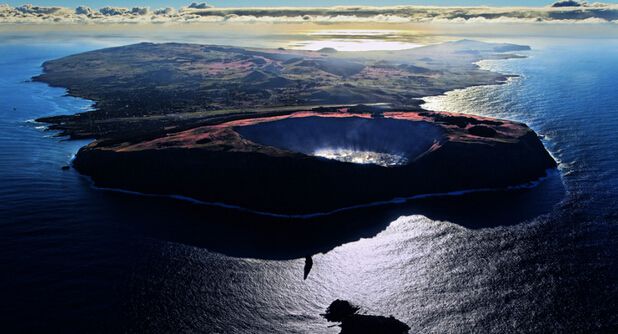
{"x": 267, "y": 3}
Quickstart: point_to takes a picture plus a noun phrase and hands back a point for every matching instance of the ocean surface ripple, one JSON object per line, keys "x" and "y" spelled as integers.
{"x": 74, "y": 258}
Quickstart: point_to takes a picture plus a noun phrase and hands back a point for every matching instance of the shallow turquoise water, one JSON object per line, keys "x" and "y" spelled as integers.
{"x": 544, "y": 260}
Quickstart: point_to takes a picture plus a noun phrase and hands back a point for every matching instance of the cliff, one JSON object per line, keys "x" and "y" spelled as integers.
{"x": 217, "y": 164}
{"x": 285, "y": 131}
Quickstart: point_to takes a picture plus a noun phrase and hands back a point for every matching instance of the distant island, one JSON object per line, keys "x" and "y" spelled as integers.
{"x": 290, "y": 132}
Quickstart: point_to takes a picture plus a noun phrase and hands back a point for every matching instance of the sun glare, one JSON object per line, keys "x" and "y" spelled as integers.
{"x": 355, "y": 40}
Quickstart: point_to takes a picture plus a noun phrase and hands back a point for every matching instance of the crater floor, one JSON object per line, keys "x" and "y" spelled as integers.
{"x": 380, "y": 141}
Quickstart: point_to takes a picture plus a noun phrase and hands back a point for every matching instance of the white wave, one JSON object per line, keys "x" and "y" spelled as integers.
{"x": 398, "y": 200}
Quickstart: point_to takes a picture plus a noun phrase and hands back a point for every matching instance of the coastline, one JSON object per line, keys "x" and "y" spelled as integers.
{"x": 401, "y": 200}
{"x": 106, "y": 148}
{"x": 513, "y": 77}
{"x": 520, "y": 260}
{"x": 528, "y": 185}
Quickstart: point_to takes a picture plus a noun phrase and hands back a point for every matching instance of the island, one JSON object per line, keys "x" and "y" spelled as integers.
{"x": 351, "y": 321}
{"x": 288, "y": 132}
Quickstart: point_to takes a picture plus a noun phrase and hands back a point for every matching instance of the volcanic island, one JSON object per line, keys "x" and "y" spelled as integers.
{"x": 290, "y": 132}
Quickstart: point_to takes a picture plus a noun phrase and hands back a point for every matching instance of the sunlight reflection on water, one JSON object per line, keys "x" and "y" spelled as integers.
{"x": 435, "y": 275}
{"x": 342, "y": 44}
{"x": 356, "y": 40}
{"x": 362, "y": 157}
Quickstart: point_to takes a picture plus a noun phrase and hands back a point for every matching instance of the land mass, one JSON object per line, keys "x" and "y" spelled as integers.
{"x": 146, "y": 88}
{"x": 289, "y": 132}
{"x": 351, "y": 321}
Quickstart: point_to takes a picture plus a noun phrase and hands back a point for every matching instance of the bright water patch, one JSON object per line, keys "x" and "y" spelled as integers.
{"x": 75, "y": 259}
{"x": 362, "y": 157}
{"x": 380, "y": 141}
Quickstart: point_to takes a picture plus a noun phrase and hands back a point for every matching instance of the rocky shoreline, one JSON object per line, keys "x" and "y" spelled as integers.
{"x": 162, "y": 126}
{"x": 216, "y": 164}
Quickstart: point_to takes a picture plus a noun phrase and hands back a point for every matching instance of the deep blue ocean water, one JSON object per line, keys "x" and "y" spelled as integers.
{"x": 77, "y": 259}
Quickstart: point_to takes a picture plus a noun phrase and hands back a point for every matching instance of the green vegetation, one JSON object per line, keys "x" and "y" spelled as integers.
{"x": 149, "y": 89}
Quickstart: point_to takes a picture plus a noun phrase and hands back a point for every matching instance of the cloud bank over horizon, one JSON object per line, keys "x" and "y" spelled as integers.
{"x": 564, "y": 11}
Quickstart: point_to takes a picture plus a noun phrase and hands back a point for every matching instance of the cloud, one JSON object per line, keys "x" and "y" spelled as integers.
{"x": 36, "y": 10}
{"x": 201, "y": 5}
{"x": 567, "y": 3}
{"x": 113, "y": 11}
{"x": 140, "y": 10}
{"x": 83, "y": 10}
{"x": 165, "y": 11}
{"x": 563, "y": 11}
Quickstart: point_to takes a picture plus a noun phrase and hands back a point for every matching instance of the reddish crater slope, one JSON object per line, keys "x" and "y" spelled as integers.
{"x": 313, "y": 162}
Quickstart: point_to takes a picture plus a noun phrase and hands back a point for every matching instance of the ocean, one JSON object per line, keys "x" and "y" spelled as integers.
{"x": 74, "y": 258}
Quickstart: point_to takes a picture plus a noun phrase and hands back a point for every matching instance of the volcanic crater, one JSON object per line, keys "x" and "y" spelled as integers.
{"x": 380, "y": 141}
{"x": 289, "y": 132}
{"x": 311, "y": 162}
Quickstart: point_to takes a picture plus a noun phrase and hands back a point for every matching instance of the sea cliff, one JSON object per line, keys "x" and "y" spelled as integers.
{"x": 172, "y": 119}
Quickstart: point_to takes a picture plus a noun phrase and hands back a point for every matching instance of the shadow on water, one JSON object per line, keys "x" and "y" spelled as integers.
{"x": 237, "y": 233}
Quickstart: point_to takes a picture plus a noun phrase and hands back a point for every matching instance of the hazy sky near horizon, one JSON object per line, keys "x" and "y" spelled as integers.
{"x": 267, "y": 3}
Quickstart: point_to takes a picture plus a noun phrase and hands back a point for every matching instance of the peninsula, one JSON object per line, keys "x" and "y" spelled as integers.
{"x": 290, "y": 132}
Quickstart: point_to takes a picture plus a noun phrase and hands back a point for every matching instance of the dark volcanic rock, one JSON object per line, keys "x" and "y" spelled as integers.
{"x": 339, "y": 310}
{"x": 168, "y": 119}
{"x": 216, "y": 164}
{"x": 482, "y": 131}
{"x": 353, "y": 323}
